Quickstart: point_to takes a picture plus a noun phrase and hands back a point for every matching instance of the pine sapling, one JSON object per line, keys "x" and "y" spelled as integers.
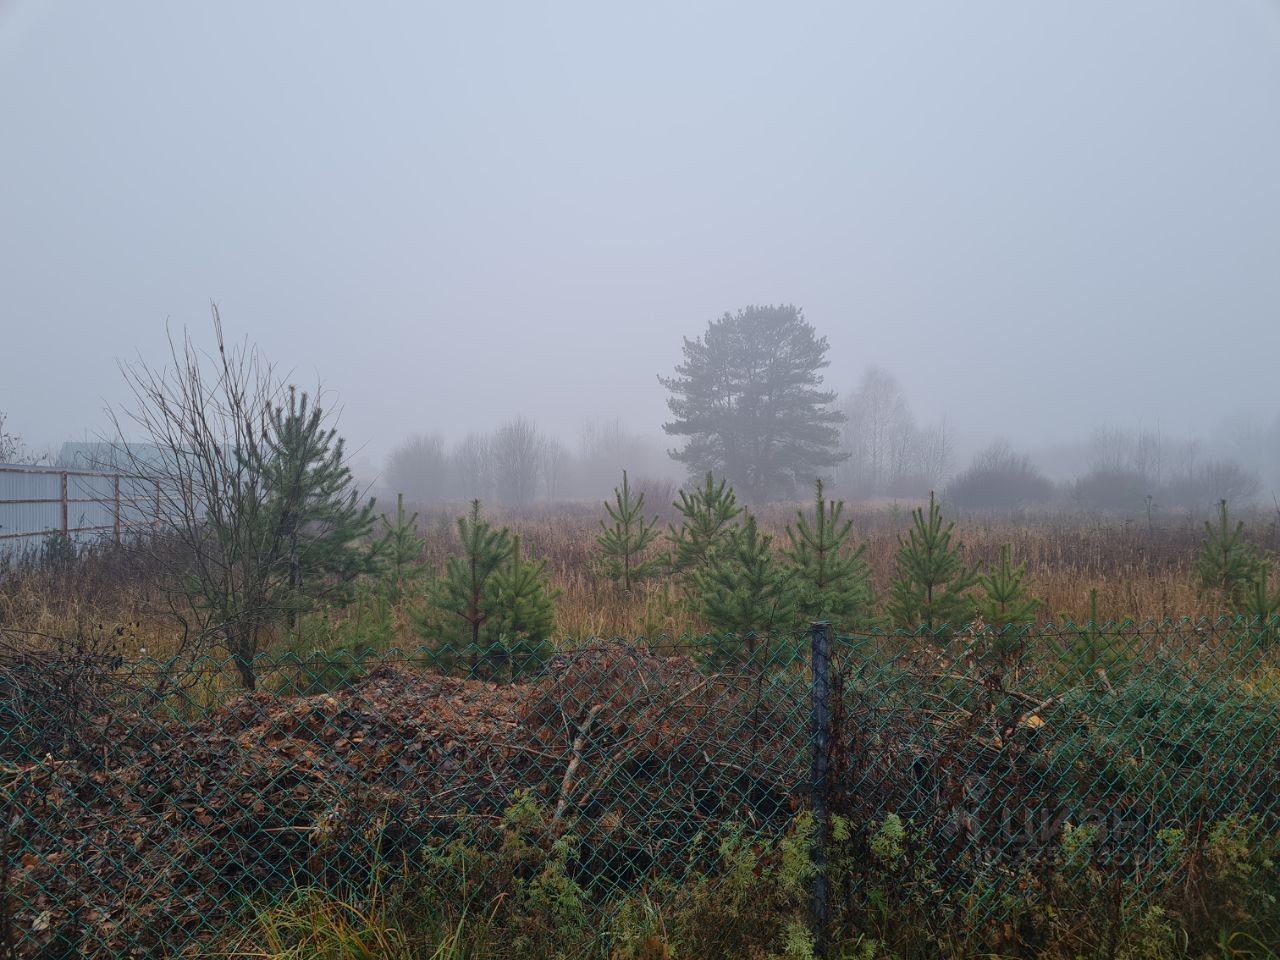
{"x": 523, "y": 611}
{"x": 1228, "y": 563}
{"x": 1095, "y": 653}
{"x": 743, "y": 592}
{"x": 312, "y": 512}
{"x": 1261, "y": 605}
{"x": 400, "y": 547}
{"x": 931, "y": 582}
{"x": 830, "y": 578}
{"x": 1005, "y": 598}
{"x": 462, "y": 600}
{"x": 707, "y": 516}
{"x": 1005, "y": 604}
{"x": 623, "y": 544}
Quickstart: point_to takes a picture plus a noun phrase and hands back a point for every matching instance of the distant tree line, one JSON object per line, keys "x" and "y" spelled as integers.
{"x": 748, "y": 403}
{"x": 517, "y": 464}
{"x": 1125, "y": 472}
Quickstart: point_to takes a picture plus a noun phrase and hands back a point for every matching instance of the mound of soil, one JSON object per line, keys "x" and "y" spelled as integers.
{"x": 156, "y": 842}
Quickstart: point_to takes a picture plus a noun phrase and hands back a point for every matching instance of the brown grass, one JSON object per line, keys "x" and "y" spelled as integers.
{"x": 1141, "y": 570}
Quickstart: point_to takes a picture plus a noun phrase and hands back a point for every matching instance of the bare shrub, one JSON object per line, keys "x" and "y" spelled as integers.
{"x": 52, "y": 688}
{"x": 999, "y": 479}
{"x": 419, "y": 469}
{"x": 1111, "y": 488}
{"x": 516, "y": 451}
{"x": 1205, "y": 485}
{"x": 253, "y": 493}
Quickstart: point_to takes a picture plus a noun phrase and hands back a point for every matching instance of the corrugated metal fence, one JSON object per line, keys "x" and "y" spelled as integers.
{"x": 78, "y": 505}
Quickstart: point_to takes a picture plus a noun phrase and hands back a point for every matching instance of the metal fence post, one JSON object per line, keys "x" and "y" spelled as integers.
{"x": 66, "y": 518}
{"x": 820, "y": 740}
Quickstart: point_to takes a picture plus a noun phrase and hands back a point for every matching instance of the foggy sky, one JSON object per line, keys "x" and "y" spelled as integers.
{"x": 1040, "y": 217}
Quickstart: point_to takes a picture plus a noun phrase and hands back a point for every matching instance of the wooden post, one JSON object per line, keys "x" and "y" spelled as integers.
{"x": 115, "y": 487}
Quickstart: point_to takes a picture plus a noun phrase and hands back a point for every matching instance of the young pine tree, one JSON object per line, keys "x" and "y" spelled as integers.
{"x": 313, "y": 512}
{"x": 829, "y": 578}
{"x": 931, "y": 583}
{"x": 1005, "y": 599}
{"x": 462, "y": 601}
{"x": 1228, "y": 563}
{"x": 1262, "y": 604}
{"x": 400, "y": 547}
{"x": 743, "y": 592}
{"x": 523, "y": 613}
{"x": 1005, "y": 603}
{"x": 1097, "y": 649}
{"x": 707, "y": 516}
{"x": 622, "y": 545}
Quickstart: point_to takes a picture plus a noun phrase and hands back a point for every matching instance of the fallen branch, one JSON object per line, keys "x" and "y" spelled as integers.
{"x": 579, "y": 744}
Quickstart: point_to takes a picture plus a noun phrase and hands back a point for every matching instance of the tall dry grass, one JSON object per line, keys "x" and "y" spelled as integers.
{"x": 1141, "y": 568}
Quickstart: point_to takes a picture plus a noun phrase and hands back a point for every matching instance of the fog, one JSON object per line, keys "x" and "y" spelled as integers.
{"x": 1043, "y": 221}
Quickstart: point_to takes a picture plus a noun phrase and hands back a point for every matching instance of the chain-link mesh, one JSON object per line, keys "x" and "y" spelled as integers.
{"x": 148, "y": 805}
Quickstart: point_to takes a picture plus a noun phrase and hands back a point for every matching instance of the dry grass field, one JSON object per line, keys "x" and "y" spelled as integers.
{"x": 253, "y": 803}
{"x": 1142, "y": 569}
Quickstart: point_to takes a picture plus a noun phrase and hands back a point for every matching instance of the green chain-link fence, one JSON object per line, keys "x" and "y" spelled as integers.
{"x": 148, "y": 805}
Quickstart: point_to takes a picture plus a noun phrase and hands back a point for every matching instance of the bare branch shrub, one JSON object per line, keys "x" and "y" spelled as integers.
{"x": 999, "y": 479}
{"x": 252, "y": 494}
{"x": 52, "y": 688}
{"x": 516, "y": 449}
{"x": 472, "y": 462}
{"x": 420, "y": 469}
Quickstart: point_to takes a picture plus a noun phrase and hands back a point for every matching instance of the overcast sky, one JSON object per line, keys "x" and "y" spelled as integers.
{"x": 1039, "y": 216}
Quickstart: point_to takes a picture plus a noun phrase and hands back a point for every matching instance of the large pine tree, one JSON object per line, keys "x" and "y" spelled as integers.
{"x": 748, "y": 398}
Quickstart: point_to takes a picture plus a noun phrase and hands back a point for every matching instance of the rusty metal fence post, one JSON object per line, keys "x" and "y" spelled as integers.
{"x": 820, "y": 742}
{"x": 66, "y": 514}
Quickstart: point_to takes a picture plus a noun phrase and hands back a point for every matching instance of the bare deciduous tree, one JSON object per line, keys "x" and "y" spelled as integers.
{"x": 12, "y": 449}
{"x": 472, "y": 462}
{"x": 998, "y": 479}
{"x": 555, "y": 462}
{"x": 935, "y": 450}
{"x": 516, "y": 449}
{"x": 232, "y": 535}
{"x": 420, "y": 469}
{"x": 1142, "y": 453}
{"x": 888, "y": 452}
{"x": 10, "y": 443}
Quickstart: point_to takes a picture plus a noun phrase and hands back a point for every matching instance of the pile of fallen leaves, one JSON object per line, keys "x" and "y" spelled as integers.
{"x": 157, "y": 841}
